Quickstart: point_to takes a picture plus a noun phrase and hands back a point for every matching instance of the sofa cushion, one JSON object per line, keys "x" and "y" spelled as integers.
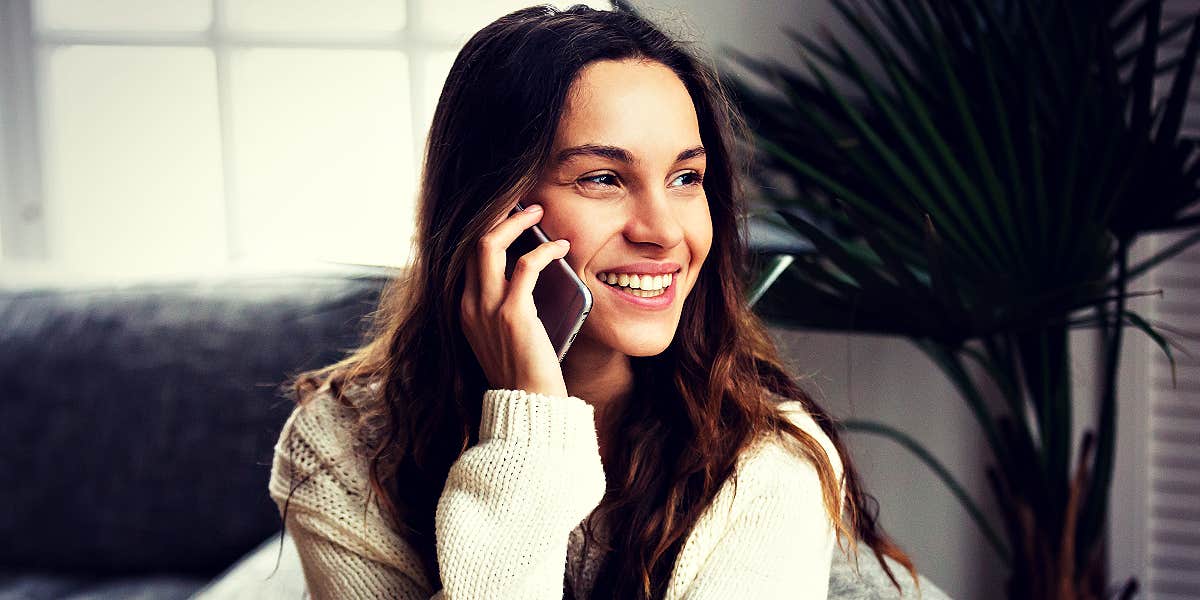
{"x": 140, "y": 418}
{"x": 867, "y": 580}
{"x": 271, "y": 571}
{"x": 51, "y": 586}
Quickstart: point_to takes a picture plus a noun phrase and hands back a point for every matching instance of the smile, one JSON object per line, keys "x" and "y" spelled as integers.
{"x": 644, "y": 291}
{"x": 642, "y": 286}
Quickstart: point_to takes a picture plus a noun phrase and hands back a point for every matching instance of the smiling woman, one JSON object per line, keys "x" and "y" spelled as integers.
{"x": 669, "y": 455}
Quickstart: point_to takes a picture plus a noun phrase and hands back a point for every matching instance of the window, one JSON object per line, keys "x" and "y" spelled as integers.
{"x": 157, "y": 137}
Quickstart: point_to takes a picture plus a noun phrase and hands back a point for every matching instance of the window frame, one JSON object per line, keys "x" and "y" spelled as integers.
{"x": 23, "y": 55}
{"x": 22, "y": 227}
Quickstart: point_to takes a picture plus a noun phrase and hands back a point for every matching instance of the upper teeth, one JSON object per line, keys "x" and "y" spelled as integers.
{"x": 636, "y": 281}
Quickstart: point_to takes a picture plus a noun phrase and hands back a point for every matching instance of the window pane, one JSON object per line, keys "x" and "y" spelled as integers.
{"x": 132, "y": 159}
{"x": 460, "y": 19}
{"x": 437, "y": 66}
{"x": 324, "y": 154}
{"x": 123, "y": 15}
{"x": 316, "y": 15}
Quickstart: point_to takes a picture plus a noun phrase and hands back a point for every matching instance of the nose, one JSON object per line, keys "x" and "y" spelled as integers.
{"x": 653, "y": 220}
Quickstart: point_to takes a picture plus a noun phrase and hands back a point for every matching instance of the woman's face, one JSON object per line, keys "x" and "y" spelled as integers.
{"x": 624, "y": 187}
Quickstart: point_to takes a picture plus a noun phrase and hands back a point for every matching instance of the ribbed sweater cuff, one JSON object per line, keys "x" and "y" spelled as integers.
{"x": 537, "y": 419}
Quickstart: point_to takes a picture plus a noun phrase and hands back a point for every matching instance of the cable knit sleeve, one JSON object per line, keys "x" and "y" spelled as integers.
{"x": 510, "y": 502}
{"x": 502, "y": 521}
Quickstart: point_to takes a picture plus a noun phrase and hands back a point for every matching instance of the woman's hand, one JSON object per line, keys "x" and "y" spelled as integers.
{"x": 499, "y": 317}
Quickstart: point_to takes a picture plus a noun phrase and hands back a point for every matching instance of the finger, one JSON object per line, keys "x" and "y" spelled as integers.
{"x": 512, "y": 210}
{"x": 470, "y": 282}
{"x": 471, "y": 289}
{"x": 492, "y": 257}
{"x": 504, "y": 215}
{"x": 529, "y": 266}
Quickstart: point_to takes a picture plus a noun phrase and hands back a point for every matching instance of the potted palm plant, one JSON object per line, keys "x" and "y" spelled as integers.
{"x": 976, "y": 189}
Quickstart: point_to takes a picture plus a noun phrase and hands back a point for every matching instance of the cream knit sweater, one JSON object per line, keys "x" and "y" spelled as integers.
{"x": 508, "y": 521}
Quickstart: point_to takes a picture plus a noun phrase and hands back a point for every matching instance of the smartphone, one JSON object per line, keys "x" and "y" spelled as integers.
{"x": 563, "y": 301}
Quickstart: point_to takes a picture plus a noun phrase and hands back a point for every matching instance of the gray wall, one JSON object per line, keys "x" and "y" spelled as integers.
{"x": 754, "y": 27}
{"x": 890, "y": 381}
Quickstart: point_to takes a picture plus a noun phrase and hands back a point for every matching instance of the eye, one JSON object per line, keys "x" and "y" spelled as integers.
{"x": 694, "y": 178}
{"x": 601, "y": 180}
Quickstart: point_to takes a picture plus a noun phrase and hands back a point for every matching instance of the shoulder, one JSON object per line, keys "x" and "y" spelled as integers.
{"x": 328, "y": 420}
{"x": 320, "y": 483}
{"x": 796, "y": 413}
{"x": 322, "y": 435}
{"x": 775, "y": 464}
{"x": 768, "y": 519}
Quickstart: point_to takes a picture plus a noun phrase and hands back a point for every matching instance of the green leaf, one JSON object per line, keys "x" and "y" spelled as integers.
{"x": 944, "y": 152}
{"x": 897, "y": 167}
{"x": 1180, "y": 87}
{"x": 770, "y": 273}
{"x": 983, "y": 159}
{"x": 862, "y": 271}
{"x": 1143, "y": 73}
{"x": 890, "y": 250}
{"x": 1123, "y": 28}
{"x": 836, "y": 189}
{"x": 945, "y": 199}
{"x": 1165, "y": 345}
{"x": 939, "y": 275}
{"x": 1167, "y": 34}
{"x": 1163, "y": 255}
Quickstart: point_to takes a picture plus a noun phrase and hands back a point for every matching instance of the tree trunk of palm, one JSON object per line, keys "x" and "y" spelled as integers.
{"x": 1045, "y": 555}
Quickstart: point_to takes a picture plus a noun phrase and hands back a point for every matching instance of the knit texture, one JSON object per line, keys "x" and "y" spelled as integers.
{"x": 509, "y": 519}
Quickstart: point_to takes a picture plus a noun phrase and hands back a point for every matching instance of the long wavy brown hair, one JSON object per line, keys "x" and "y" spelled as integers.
{"x": 714, "y": 389}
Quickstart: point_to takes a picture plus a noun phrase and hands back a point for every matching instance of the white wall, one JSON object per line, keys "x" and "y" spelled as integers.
{"x": 753, "y": 28}
{"x": 889, "y": 380}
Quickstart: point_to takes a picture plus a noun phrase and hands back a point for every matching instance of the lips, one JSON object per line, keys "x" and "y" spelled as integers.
{"x": 643, "y": 268}
{"x": 656, "y": 303}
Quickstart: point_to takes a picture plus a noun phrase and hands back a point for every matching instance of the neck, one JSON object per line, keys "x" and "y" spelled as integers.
{"x": 603, "y": 378}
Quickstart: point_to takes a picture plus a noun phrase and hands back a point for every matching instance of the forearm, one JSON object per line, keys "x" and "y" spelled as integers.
{"x": 511, "y": 501}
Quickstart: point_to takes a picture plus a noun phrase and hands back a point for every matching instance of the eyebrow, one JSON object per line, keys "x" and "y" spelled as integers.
{"x": 615, "y": 153}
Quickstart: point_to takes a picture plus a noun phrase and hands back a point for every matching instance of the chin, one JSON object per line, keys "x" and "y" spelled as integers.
{"x": 645, "y": 346}
{"x": 647, "y": 350}
{"x": 651, "y": 340}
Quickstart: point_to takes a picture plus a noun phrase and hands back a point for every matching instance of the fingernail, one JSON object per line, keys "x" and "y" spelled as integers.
{"x": 533, "y": 208}
{"x": 562, "y": 242}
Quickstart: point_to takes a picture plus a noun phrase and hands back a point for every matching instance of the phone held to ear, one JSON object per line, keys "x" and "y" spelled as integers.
{"x": 563, "y": 301}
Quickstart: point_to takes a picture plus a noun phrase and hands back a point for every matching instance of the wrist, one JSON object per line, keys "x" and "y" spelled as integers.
{"x": 537, "y": 419}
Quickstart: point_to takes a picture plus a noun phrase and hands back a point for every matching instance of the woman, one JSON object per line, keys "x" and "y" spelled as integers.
{"x": 669, "y": 455}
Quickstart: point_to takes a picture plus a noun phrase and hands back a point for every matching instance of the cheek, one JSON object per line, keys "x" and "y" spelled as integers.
{"x": 560, "y": 219}
{"x": 700, "y": 233}
{"x": 584, "y": 238}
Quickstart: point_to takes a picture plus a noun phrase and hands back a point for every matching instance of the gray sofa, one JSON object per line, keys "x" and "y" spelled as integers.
{"x": 140, "y": 419}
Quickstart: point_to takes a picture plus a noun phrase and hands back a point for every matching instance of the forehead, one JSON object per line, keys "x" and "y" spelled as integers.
{"x": 639, "y": 105}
